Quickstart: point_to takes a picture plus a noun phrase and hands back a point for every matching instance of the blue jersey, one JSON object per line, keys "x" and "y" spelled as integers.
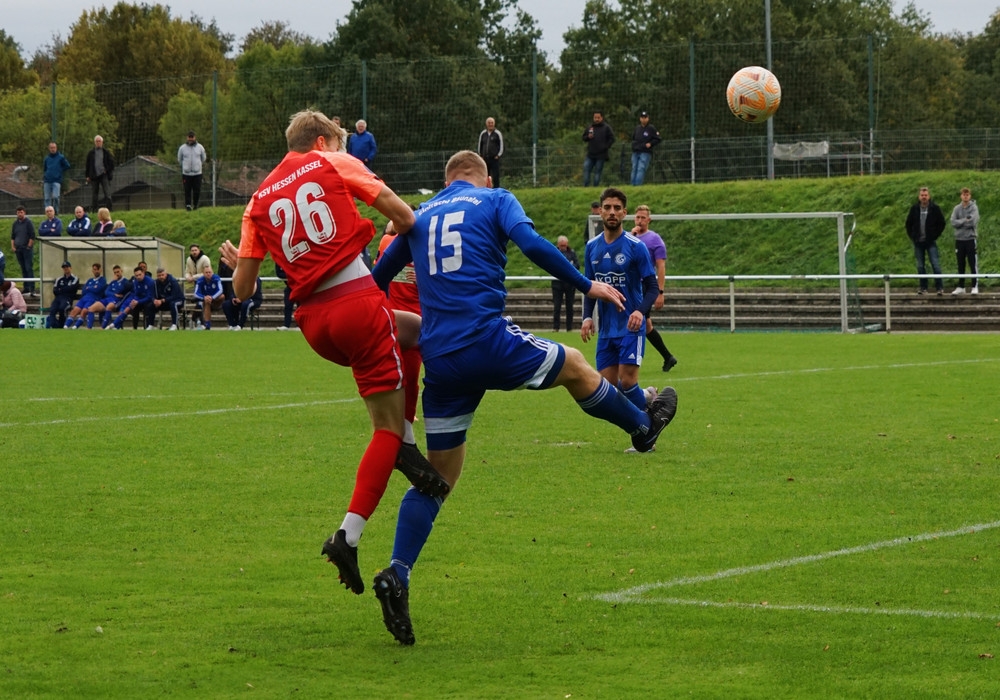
{"x": 94, "y": 288}
{"x": 144, "y": 290}
{"x": 624, "y": 264}
{"x": 459, "y": 250}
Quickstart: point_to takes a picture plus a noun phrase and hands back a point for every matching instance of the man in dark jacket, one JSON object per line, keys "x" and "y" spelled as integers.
{"x": 598, "y": 137}
{"x": 64, "y": 291}
{"x": 491, "y": 149}
{"x": 924, "y": 224}
{"x": 100, "y": 168}
{"x": 169, "y": 297}
{"x": 644, "y": 138}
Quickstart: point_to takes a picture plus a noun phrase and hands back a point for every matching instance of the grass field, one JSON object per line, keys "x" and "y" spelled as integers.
{"x": 821, "y": 520}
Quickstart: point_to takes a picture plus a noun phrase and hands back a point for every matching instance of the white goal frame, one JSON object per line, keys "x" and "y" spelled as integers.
{"x": 595, "y": 226}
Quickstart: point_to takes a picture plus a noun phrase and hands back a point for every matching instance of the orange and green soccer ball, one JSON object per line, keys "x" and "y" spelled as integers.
{"x": 753, "y": 94}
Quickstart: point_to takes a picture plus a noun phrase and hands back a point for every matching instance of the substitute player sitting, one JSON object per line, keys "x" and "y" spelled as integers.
{"x": 458, "y": 246}
{"x": 621, "y": 260}
{"x": 304, "y": 216}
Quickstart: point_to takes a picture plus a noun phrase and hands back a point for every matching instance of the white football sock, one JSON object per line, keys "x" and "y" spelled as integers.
{"x": 353, "y": 526}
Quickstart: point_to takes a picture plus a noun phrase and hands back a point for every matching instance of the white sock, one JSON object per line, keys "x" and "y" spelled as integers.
{"x": 408, "y": 433}
{"x": 353, "y": 526}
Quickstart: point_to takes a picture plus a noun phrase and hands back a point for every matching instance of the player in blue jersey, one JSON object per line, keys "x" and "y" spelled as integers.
{"x": 143, "y": 293}
{"x": 114, "y": 293}
{"x": 93, "y": 292}
{"x": 458, "y": 246}
{"x": 621, "y": 260}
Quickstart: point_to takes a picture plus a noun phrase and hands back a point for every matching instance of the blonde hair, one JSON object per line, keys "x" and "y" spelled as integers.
{"x": 642, "y": 207}
{"x": 308, "y": 125}
{"x": 104, "y": 214}
{"x": 465, "y": 163}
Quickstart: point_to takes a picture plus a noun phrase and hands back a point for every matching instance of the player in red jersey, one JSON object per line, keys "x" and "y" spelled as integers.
{"x": 304, "y": 216}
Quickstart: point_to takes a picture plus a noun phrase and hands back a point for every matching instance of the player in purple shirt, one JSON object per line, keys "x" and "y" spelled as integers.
{"x": 658, "y": 251}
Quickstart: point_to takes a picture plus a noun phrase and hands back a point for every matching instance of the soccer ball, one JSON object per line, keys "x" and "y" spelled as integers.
{"x": 753, "y": 94}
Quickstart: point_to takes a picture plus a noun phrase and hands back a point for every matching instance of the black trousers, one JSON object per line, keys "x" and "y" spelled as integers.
{"x": 966, "y": 251}
{"x": 562, "y": 293}
{"x": 192, "y": 190}
{"x": 493, "y": 170}
{"x": 100, "y": 184}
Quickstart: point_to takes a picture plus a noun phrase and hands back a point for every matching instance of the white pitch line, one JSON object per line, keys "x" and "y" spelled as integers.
{"x": 833, "y": 609}
{"x": 631, "y": 593}
{"x": 158, "y": 397}
{"x": 818, "y": 370}
{"x": 175, "y": 414}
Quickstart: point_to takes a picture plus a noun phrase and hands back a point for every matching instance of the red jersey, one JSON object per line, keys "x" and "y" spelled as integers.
{"x": 403, "y": 287}
{"x": 304, "y": 215}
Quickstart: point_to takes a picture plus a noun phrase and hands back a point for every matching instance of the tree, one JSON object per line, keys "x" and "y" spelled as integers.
{"x": 13, "y": 74}
{"x": 132, "y": 53}
{"x": 275, "y": 34}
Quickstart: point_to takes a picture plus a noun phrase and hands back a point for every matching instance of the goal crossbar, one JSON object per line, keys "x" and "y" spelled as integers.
{"x": 839, "y": 216}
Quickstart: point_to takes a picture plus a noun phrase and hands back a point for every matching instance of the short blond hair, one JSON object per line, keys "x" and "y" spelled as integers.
{"x": 642, "y": 207}
{"x": 306, "y": 126}
{"x": 465, "y": 163}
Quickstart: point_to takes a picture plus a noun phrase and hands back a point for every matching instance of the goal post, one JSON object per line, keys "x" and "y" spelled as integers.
{"x": 836, "y": 216}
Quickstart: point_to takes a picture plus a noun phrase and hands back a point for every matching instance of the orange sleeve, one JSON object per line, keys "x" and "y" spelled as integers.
{"x": 251, "y": 242}
{"x": 362, "y": 182}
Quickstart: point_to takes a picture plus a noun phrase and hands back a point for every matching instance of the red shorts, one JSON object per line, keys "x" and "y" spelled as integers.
{"x": 357, "y": 330}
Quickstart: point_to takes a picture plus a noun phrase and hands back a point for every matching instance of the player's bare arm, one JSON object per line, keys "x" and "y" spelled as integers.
{"x": 587, "y": 329}
{"x": 245, "y": 270}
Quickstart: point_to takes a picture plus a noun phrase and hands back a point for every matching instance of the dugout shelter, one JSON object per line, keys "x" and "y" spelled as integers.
{"x": 84, "y": 252}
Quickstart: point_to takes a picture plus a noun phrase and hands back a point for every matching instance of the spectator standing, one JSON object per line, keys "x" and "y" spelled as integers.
{"x": 169, "y": 296}
{"x": 53, "y": 225}
{"x": 599, "y": 137}
{"x": 191, "y": 157}
{"x": 965, "y": 221}
{"x": 924, "y": 225}
{"x": 99, "y": 169}
{"x": 645, "y": 136}
{"x": 53, "y": 167}
{"x": 80, "y": 225}
{"x": 196, "y": 264}
{"x": 361, "y": 144}
{"x": 22, "y": 240}
{"x": 208, "y": 293}
{"x": 64, "y": 291}
{"x": 562, "y": 291}
{"x": 237, "y": 310}
{"x": 3, "y": 265}
{"x": 491, "y": 149}
{"x": 658, "y": 253}
{"x": 103, "y": 227}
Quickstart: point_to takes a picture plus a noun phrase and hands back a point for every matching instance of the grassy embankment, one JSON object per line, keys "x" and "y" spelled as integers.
{"x": 879, "y": 204}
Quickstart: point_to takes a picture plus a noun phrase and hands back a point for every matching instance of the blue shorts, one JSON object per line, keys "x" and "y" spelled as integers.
{"x": 505, "y": 358}
{"x": 86, "y": 301}
{"x": 626, "y": 350}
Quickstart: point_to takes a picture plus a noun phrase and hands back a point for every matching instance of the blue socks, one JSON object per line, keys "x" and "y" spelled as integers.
{"x": 636, "y": 395}
{"x": 416, "y": 517}
{"x": 608, "y": 404}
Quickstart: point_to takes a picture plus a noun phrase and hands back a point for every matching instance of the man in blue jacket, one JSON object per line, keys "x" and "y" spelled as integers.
{"x": 361, "y": 144}
{"x": 53, "y": 167}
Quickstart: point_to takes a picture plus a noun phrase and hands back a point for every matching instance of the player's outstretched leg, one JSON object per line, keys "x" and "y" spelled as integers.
{"x": 661, "y": 412}
{"x": 424, "y": 477}
{"x": 345, "y": 558}
{"x": 395, "y": 600}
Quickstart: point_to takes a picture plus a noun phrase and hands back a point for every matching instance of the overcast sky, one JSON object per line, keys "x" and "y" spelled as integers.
{"x": 33, "y": 23}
